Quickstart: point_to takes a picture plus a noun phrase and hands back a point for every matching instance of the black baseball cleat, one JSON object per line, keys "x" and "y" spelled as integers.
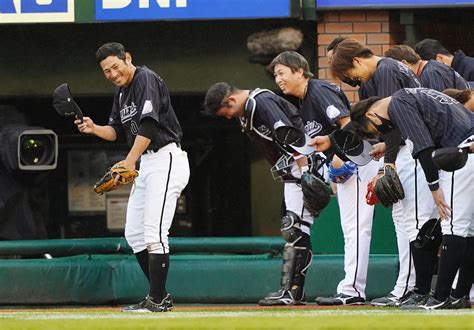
{"x": 340, "y": 299}
{"x": 147, "y": 305}
{"x": 133, "y": 308}
{"x": 460, "y": 303}
{"x": 412, "y": 299}
{"x": 389, "y": 300}
{"x": 433, "y": 303}
{"x": 281, "y": 298}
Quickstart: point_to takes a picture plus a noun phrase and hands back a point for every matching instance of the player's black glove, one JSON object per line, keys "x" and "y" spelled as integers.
{"x": 316, "y": 194}
{"x": 387, "y": 186}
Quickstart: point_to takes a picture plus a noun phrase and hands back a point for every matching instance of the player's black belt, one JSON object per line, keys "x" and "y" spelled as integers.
{"x": 152, "y": 151}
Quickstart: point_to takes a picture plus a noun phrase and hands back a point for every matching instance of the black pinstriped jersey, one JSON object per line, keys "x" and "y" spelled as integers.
{"x": 146, "y": 97}
{"x": 440, "y": 76}
{"x": 389, "y": 77}
{"x": 323, "y": 105}
{"x": 270, "y": 109}
{"x": 428, "y": 118}
{"x": 260, "y": 119}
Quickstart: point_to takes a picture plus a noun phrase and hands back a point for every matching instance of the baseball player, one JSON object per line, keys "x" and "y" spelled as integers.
{"x": 466, "y": 97}
{"x": 325, "y": 108}
{"x": 431, "y": 49}
{"x": 142, "y": 112}
{"x": 428, "y": 119}
{"x": 431, "y": 74}
{"x": 382, "y": 77}
{"x": 260, "y": 112}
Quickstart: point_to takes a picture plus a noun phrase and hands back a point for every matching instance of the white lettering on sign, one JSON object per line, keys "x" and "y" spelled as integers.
{"x": 119, "y": 4}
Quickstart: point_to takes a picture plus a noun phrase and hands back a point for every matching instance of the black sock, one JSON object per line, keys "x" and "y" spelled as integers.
{"x": 466, "y": 271}
{"x": 159, "y": 264}
{"x": 142, "y": 258}
{"x": 452, "y": 253}
{"x": 423, "y": 261}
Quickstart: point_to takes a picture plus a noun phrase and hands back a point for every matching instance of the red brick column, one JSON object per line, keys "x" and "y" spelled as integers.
{"x": 373, "y": 28}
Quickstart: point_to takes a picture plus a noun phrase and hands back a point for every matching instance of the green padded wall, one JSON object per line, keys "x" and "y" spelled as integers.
{"x": 193, "y": 278}
{"x": 326, "y": 232}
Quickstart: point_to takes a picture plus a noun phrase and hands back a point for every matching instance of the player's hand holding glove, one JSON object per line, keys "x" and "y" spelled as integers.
{"x": 340, "y": 172}
{"x": 371, "y": 197}
{"x": 117, "y": 176}
{"x": 316, "y": 194}
{"x": 386, "y": 186}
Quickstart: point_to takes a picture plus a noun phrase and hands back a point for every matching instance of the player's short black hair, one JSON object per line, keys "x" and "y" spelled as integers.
{"x": 358, "y": 118}
{"x": 110, "y": 49}
{"x": 403, "y": 52}
{"x": 333, "y": 44}
{"x": 429, "y": 48}
{"x": 215, "y": 96}
{"x": 293, "y": 60}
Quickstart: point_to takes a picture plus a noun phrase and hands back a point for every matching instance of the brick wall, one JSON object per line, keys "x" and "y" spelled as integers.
{"x": 377, "y": 29}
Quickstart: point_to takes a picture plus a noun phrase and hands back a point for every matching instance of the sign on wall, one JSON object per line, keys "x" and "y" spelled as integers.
{"x": 36, "y": 11}
{"x": 110, "y": 10}
{"x": 367, "y": 4}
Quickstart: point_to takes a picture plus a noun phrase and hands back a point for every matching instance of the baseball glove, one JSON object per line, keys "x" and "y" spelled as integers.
{"x": 316, "y": 194}
{"x": 387, "y": 186}
{"x": 106, "y": 183}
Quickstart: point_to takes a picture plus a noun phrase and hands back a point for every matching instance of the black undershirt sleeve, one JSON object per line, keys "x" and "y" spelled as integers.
{"x": 147, "y": 127}
{"x": 392, "y": 140}
{"x": 430, "y": 169}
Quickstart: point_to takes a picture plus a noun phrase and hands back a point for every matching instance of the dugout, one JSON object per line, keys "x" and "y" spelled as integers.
{"x": 230, "y": 192}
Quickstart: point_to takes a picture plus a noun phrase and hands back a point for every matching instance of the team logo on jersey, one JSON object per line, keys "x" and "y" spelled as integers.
{"x": 332, "y": 112}
{"x": 127, "y": 113}
{"x": 434, "y": 94}
{"x": 264, "y": 130}
{"x": 403, "y": 68}
{"x": 312, "y": 128}
{"x": 438, "y": 96}
{"x": 407, "y": 72}
{"x": 147, "y": 107}
{"x": 409, "y": 144}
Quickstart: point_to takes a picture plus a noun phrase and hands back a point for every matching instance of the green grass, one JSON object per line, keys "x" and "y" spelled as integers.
{"x": 238, "y": 318}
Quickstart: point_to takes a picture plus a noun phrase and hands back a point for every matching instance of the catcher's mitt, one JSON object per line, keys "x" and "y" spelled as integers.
{"x": 387, "y": 186}
{"x": 106, "y": 183}
{"x": 316, "y": 194}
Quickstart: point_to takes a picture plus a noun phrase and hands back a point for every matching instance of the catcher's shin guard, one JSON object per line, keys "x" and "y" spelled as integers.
{"x": 296, "y": 261}
{"x": 297, "y": 255}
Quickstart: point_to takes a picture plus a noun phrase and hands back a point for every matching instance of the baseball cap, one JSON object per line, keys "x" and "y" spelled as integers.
{"x": 352, "y": 146}
{"x": 293, "y": 137}
{"x": 450, "y": 159}
{"x": 64, "y": 103}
